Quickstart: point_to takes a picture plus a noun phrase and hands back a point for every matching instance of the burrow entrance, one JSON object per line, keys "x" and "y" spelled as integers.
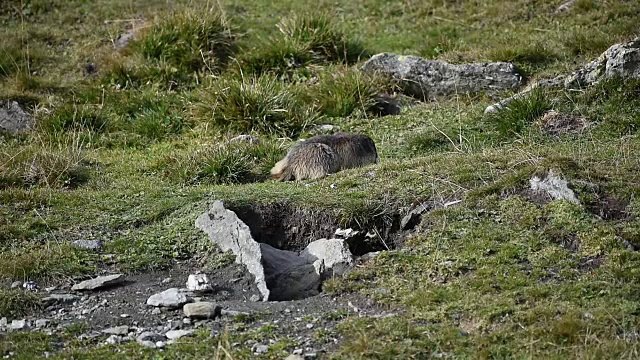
{"x": 289, "y": 229}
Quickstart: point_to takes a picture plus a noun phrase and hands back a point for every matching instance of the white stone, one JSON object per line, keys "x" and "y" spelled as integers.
{"x": 555, "y": 186}
{"x": 198, "y": 282}
{"x": 177, "y": 334}
{"x": 172, "y": 298}
{"x": 18, "y": 324}
{"x": 100, "y": 281}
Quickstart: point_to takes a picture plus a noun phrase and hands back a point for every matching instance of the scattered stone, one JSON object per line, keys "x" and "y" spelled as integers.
{"x": 30, "y": 285}
{"x": 172, "y": 298}
{"x": 177, "y": 334}
{"x": 87, "y": 244}
{"x": 59, "y": 298}
{"x": 186, "y": 321}
{"x": 297, "y": 352}
{"x": 260, "y": 349}
{"x": 322, "y": 129}
{"x": 309, "y": 326}
{"x": 90, "y": 335}
{"x": 156, "y": 311}
{"x": 246, "y": 139}
{"x": 198, "y": 282}
{"x": 3, "y": 322}
{"x": 150, "y": 336}
{"x": 346, "y": 233}
{"x": 117, "y": 330}
{"x": 124, "y": 315}
{"x": 42, "y": 323}
{"x": 18, "y": 324}
{"x": 166, "y": 280}
{"x": 294, "y": 357}
{"x": 160, "y": 344}
{"x": 113, "y": 340}
{"x": 201, "y": 310}
{"x": 13, "y": 119}
{"x": 99, "y": 282}
{"x": 330, "y": 257}
{"x": 254, "y": 298}
{"x": 555, "y": 186}
{"x": 310, "y": 355}
{"x": 565, "y": 7}
{"x": 225, "y": 312}
{"x": 430, "y": 79}
{"x": 16, "y": 284}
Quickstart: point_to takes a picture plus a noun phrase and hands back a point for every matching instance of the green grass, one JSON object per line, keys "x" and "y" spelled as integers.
{"x": 132, "y": 154}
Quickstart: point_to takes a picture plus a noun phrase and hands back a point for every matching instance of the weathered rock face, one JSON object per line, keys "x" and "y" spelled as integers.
{"x": 621, "y": 60}
{"x": 333, "y": 254}
{"x": 230, "y": 233}
{"x": 554, "y": 186}
{"x": 428, "y": 79}
{"x": 13, "y": 119}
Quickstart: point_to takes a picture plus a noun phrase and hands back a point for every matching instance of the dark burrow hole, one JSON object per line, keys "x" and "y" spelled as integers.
{"x": 289, "y": 229}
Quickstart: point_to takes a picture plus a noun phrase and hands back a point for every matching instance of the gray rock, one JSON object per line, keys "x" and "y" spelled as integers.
{"x": 294, "y": 357}
{"x": 87, "y": 244}
{"x": 227, "y": 231}
{"x": 225, "y": 312}
{"x": 198, "y": 282}
{"x": 18, "y": 324}
{"x": 430, "y": 79}
{"x": 117, "y": 330}
{"x": 59, "y": 298}
{"x": 16, "y": 284}
{"x": 113, "y": 340}
{"x": 201, "y": 310}
{"x": 261, "y": 349}
{"x": 41, "y": 323}
{"x": 246, "y": 139}
{"x": 172, "y": 298}
{"x": 554, "y": 186}
{"x": 254, "y": 298}
{"x": 156, "y": 311}
{"x": 3, "y": 322}
{"x": 160, "y": 344}
{"x": 99, "y": 282}
{"x": 330, "y": 257}
{"x": 565, "y": 7}
{"x": 13, "y": 119}
{"x": 177, "y": 334}
{"x": 150, "y": 336}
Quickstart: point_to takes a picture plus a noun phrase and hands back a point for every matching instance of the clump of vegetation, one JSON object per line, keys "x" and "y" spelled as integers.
{"x": 191, "y": 40}
{"x": 526, "y": 57}
{"x": 262, "y": 104}
{"x": 15, "y": 303}
{"x": 231, "y": 163}
{"x": 513, "y": 119}
{"x": 57, "y": 161}
{"x": 322, "y": 38}
{"x": 340, "y": 93}
{"x": 304, "y": 40}
{"x": 73, "y": 117}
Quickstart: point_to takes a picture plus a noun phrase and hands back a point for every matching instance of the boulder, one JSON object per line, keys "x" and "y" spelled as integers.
{"x": 554, "y": 186}
{"x": 430, "y": 79}
{"x": 201, "y": 310}
{"x": 99, "y": 282}
{"x": 333, "y": 255}
{"x": 227, "y": 231}
{"x": 171, "y": 298}
{"x": 13, "y": 118}
{"x": 199, "y": 282}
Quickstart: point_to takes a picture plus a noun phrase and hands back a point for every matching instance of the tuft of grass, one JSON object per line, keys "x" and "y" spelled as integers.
{"x": 135, "y": 73}
{"x": 16, "y": 303}
{"x": 262, "y": 104}
{"x": 526, "y": 57}
{"x": 192, "y": 40}
{"x": 586, "y": 42}
{"x": 340, "y": 93}
{"x": 322, "y": 38}
{"x": 75, "y": 117}
{"x": 225, "y": 164}
{"x": 281, "y": 57}
{"x": 513, "y": 119}
{"x": 57, "y": 161}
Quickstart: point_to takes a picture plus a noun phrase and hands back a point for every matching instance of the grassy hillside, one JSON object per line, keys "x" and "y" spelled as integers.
{"x": 131, "y": 143}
